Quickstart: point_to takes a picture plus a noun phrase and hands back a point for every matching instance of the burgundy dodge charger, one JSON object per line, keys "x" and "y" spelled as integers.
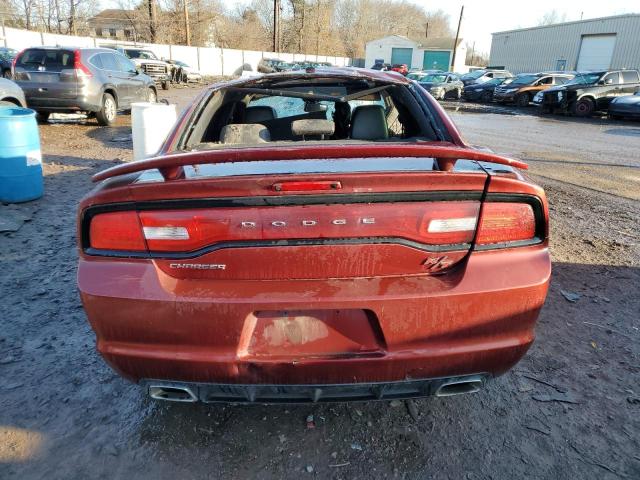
{"x": 314, "y": 236}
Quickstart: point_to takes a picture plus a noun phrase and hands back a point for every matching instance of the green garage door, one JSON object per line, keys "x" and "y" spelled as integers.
{"x": 436, "y": 60}
{"x": 401, "y": 55}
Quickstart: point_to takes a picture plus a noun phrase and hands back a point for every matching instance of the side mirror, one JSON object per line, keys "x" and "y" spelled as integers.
{"x": 608, "y": 81}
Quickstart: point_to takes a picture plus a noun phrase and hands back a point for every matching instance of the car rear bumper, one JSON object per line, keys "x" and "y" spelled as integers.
{"x": 78, "y": 104}
{"x": 478, "y": 318}
{"x": 283, "y": 393}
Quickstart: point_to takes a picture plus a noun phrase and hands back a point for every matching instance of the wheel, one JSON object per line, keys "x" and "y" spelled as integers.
{"x": 522, "y": 100}
{"x": 583, "y": 107}
{"x": 165, "y": 85}
{"x": 7, "y": 103}
{"x": 486, "y": 97}
{"x": 152, "y": 97}
{"x": 42, "y": 117}
{"x": 7, "y": 74}
{"x": 107, "y": 114}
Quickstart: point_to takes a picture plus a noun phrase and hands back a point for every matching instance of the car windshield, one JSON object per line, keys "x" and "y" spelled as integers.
{"x": 182, "y": 64}
{"x": 142, "y": 54}
{"x": 433, "y": 78}
{"x": 585, "y": 79}
{"x": 495, "y": 81}
{"x": 473, "y": 75}
{"x": 524, "y": 80}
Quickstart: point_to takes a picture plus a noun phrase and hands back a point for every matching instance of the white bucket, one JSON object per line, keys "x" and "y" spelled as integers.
{"x": 150, "y": 125}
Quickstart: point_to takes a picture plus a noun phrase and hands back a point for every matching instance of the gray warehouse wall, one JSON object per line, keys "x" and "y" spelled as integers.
{"x": 539, "y": 49}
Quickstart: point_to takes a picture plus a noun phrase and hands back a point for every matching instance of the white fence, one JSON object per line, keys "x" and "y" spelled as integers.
{"x": 210, "y": 61}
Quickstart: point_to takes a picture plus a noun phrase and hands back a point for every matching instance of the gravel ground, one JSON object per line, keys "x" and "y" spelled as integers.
{"x": 570, "y": 409}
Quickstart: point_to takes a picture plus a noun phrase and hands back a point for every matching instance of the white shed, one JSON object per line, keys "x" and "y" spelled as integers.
{"x": 435, "y": 53}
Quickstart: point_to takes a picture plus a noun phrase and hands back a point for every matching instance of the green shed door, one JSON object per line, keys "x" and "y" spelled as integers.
{"x": 436, "y": 60}
{"x": 401, "y": 55}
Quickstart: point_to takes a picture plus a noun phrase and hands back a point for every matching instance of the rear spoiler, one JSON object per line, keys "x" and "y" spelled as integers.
{"x": 170, "y": 166}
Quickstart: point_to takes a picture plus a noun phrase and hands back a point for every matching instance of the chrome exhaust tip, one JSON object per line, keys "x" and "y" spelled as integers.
{"x": 172, "y": 393}
{"x": 460, "y": 386}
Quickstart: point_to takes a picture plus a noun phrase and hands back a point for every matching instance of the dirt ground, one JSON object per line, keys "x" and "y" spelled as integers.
{"x": 570, "y": 409}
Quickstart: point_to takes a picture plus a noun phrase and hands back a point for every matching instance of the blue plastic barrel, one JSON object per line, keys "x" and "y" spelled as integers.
{"x": 20, "y": 156}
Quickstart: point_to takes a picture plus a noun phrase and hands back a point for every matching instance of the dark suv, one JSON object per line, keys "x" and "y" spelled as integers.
{"x": 6, "y": 59}
{"x": 590, "y": 91}
{"x": 96, "y": 81}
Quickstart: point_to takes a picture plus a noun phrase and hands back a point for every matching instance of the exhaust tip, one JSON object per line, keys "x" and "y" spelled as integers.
{"x": 459, "y": 387}
{"x": 172, "y": 393}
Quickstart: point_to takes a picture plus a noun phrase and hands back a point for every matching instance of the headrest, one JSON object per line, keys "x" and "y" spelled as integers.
{"x": 368, "y": 122}
{"x": 244, "y": 134}
{"x": 259, "y": 113}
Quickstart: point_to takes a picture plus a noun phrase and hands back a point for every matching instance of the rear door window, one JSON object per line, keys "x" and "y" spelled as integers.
{"x": 109, "y": 62}
{"x": 630, "y": 77}
{"x": 46, "y": 60}
{"x": 545, "y": 81}
{"x": 125, "y": 65}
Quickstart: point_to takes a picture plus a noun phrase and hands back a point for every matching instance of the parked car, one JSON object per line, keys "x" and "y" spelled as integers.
{"x": 442, "y": 85}
{"x": 96, "y": 81}
{"x": 626, "y": 106}
{"x": 482, "y": 76}
{"x": 6, "y": 61}
{"x": 418, "y": 74}
{"x": 11, "y": 94}
{"x": 183, "y": 73}
{"x": 400, "y": 68}
{"x": 589, "y": 92}
{"x": 524, "y": 86}
{"x": 149, "y": 63}
{"x": 311, "y": 237}
{"x": 483, "y": 92}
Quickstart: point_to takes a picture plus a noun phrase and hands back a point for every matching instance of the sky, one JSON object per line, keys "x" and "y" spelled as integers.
{"x": 482, "y": 17}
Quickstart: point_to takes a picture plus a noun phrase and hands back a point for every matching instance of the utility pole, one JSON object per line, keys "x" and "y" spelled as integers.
{"x": 473, "y": 52}
{"x": 153, "y": 21}
{"x": 186, "y": 22}
{"x": 426, "y": 31}
{"x": 455, "y": 43}
{"x": 276, "y": 24}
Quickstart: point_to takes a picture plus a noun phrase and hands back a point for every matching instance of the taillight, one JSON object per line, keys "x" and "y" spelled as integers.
{"x": 15, "y": 61}
{"x": 116, "y": 231}
{"x": 81, "y": 69}
{"x": 506, "y": 222}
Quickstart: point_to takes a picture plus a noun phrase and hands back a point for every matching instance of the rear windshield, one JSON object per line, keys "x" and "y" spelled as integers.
{"x": 143, "y": 54}
{"x": 46, "y": 60}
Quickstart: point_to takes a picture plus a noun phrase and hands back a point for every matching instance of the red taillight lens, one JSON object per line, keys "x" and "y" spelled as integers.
{"x": 506, "y": 222}
{"x": 80, "y": 67}
{"x": 116, "y": 231}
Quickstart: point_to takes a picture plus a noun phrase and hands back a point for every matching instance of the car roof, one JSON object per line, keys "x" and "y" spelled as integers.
{"x": 339, "y": 73}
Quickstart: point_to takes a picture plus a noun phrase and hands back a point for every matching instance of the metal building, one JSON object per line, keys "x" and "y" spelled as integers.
{"x": 596, "y": 44}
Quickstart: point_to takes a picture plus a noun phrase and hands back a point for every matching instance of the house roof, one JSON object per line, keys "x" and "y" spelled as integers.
{"x": 114, "y": 15}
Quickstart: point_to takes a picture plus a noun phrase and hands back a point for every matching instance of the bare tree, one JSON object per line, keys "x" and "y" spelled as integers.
{"x": 552, "y": 17}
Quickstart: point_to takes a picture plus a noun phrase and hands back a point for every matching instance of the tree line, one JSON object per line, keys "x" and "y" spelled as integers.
{"x": 324, "y": 27}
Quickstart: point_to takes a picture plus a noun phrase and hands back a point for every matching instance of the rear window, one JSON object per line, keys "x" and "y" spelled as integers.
{"x": 46, "y": 60}
{"x": 630, "y": 77}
